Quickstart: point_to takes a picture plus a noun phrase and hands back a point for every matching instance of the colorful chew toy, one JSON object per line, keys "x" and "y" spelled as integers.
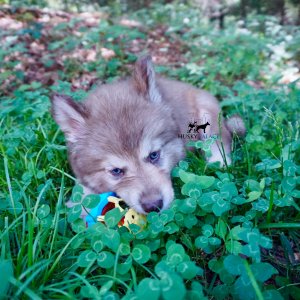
{"x": 107, "y": 202}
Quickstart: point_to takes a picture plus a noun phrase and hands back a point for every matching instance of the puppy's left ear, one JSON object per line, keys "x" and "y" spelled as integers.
{"x": 144, "y": 79}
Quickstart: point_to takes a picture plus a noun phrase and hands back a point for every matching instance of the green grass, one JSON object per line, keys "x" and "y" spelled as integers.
{"x": 230, "y": 233}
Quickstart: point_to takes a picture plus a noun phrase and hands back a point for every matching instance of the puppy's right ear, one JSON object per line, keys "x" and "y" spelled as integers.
{"x": 144, "y": 79}
{"x": 69, "y": 115}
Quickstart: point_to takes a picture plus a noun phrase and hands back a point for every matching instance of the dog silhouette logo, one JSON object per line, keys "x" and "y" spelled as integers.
{"x": 195, "y": 127}
{"x": 202, "y": 126}
{"x": 191, "y": 126}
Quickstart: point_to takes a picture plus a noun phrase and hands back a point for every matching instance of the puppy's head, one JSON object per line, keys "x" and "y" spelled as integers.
{"x": 123, "y": 138}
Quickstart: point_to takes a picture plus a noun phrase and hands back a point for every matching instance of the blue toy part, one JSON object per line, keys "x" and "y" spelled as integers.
{"x": 91, "y": 219}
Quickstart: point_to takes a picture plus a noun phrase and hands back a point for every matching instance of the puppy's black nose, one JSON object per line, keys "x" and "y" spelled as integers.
{"x": 152, "y": 206}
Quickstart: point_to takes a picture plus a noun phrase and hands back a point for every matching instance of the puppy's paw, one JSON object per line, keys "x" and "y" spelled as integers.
{"x": 218, "y": 156}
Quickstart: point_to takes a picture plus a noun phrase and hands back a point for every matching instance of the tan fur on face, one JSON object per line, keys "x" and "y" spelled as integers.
{"x": 120, "y": 124}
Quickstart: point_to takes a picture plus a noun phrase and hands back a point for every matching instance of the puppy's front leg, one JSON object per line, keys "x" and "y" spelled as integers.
{"x": 221, "y": 149}
{"x": 210, "y": 116}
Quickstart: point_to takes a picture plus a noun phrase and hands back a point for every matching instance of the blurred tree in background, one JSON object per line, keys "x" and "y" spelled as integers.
{"x": 287, "y": 10}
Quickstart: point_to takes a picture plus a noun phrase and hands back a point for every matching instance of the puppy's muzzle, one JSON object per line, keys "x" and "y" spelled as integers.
{"x": 152, "y": 205}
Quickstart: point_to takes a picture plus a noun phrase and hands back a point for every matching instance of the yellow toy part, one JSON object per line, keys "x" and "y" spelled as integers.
{"x": 131, "y": 216}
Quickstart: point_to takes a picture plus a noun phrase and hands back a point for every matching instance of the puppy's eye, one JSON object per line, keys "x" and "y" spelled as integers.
{"x": 154, "y": 157}
{"x": 117, "y": 172}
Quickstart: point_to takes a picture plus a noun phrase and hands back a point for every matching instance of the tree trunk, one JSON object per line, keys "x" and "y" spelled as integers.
{"x": 243, "y": 6}
{"x": 282, "y": 11}
{"x": 221, "y": 20}
{"x": 258, "y": 7}
{"x": 298, "y": 19}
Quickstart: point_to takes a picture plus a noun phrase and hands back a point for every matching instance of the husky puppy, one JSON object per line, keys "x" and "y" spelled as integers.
{"x": 127, "y": 136}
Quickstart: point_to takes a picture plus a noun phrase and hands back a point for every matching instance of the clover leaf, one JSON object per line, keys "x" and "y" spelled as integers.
{"x": 111, "y": 239}
{"x": 203, "y": 181}
{"x": 175, "y": 254}
{"x": 288, "y": 184}
{"x": 255, "y": 240}
{"x": 86, "y": 258}
{"x": 284, "y": 201}
{"x": 289, "y": 168}
{"x": 77, "y": 193}
{"x": 188, "y": 270}
{"x": 220, "y": 207}
{"x": 90, "y": 201}
{"x": 171, "y": 284}
{"x": 74, "y": 213}
{"x": 141, "y": 253}
{"x": 124, "y": 267}
{"x": 250, "y": 215}
{"x": 190, "y": 220}
{"x": 187, "y": 205}
{"x": 213, "y": 201}
{"x": 105, "y": 259}
{"x": 228, "y": 191}
{"x": 261, "y": 205}
{"x": 113, "y": 217}
{"x": 43, "y": 211}
{"x": 238, "y": 266}
{"x": 268, "y": 164}
{"x": 206, "y": 241}
{"x": 192, "y": 190}
{"x": 149, "y": 289}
